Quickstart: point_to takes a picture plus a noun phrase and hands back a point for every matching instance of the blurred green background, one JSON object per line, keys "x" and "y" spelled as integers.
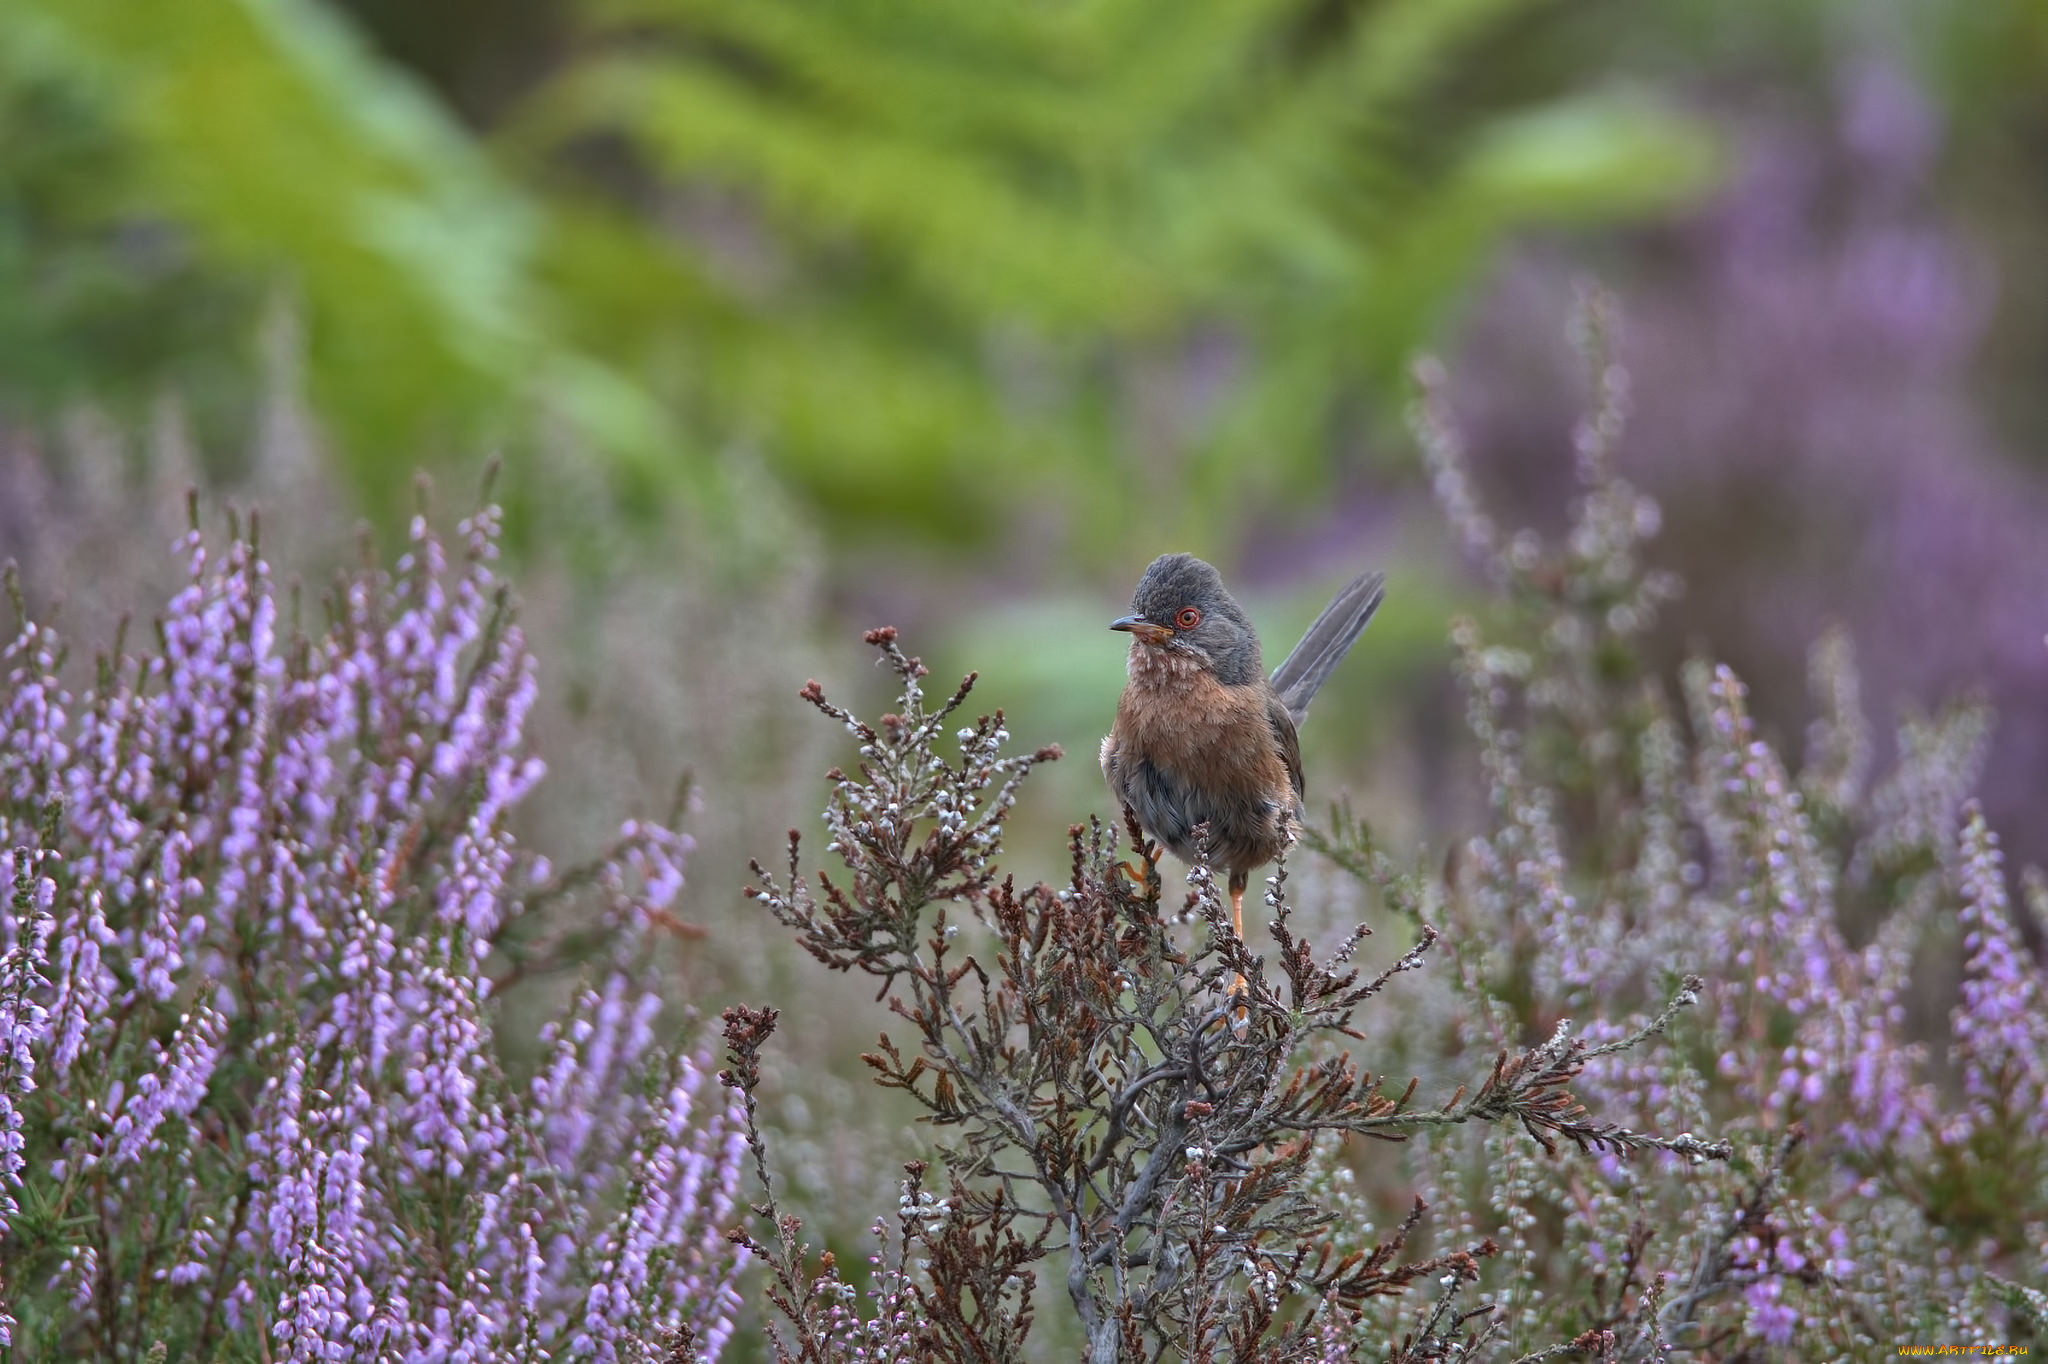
{"x": 935, "y": 265}
{"x": 787, "y": 319}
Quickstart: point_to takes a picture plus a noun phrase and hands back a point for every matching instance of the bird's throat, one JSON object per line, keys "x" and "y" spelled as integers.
{"x": 1152, "y": 667}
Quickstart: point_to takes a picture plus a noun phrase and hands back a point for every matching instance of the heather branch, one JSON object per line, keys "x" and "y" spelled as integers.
{"x": 1598, "y": 1344}
{"x": 795, "y": 1293}
{"x": 1687, "y": 995}
{"x": 871, "y": 921}
{"x": 1147, "y": 1109}
{"x": 1715, "y": 1271}
{"x": 2030, "y": 1304}
{"x": 1530, "y": 1088}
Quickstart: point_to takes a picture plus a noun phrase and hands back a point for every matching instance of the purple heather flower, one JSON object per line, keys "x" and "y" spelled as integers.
{"x": 300, "y": 848}
{"x": 444, "y": 1128}
{"x": 172, "y": 1091}
{"x": 75, "y": 1277}
{"x": 32, "y": 720}
{"x": 2000, "y": 1037}
{"x": 653, "y": 1274}
{"x": 85, "y": 986}
{"x": 24, "y": 1020}
{"x": 1770, "y": 1317}
{"x": 600, "y": 1044}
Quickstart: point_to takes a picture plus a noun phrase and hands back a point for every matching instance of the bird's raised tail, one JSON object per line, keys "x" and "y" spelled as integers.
{"x": 1299, "y": 678}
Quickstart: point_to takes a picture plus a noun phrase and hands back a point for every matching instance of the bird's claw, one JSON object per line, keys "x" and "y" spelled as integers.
{"x": 1240, "y": 995}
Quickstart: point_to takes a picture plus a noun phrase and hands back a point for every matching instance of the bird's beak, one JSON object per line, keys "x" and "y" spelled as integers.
{"x": 1142, "y": 628}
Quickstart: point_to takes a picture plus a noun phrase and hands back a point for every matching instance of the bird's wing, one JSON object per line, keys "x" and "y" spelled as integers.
{"x": 1302, "y": 674}
{"x": 1283, "y": 734}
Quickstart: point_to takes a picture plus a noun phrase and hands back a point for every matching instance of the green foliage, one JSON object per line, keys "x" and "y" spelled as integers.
{"x": 1129, "y": 257}
{"x": 988, "y": 245}
{"x": 278, "y": 157}
{"x": 89, "y": 310}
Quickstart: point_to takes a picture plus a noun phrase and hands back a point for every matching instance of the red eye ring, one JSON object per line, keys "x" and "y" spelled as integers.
{"x": 1187, "y": 618}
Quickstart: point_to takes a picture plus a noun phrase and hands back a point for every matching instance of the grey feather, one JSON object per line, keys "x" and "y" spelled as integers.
{"x": 1302, "y": 674}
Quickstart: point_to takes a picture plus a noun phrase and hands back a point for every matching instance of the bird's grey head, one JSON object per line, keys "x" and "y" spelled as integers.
{"x": 1181, "y": 606}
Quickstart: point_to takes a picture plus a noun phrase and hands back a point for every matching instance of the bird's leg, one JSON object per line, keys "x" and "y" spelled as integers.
{"x": 1238, "y": 881}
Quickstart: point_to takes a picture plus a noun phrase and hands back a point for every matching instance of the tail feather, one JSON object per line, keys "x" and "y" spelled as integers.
{"x": 1302, "y": 674}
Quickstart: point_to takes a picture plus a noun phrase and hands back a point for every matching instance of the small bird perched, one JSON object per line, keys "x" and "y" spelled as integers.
{"x": 1202, "y": 735}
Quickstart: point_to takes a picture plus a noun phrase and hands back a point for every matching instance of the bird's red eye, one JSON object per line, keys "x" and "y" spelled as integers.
{"x": 1188, "y": 618}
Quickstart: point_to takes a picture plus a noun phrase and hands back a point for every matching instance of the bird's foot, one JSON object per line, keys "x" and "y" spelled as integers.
{"x": 1151, "y": 869}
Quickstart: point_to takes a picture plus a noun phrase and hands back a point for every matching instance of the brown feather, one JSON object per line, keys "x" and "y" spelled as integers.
{"x": 1187, "y": 749}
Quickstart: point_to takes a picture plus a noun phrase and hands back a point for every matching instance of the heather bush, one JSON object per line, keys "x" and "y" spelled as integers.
{"x": 1798, "y": 1168}
{"x": 253, "y": 1103}
{"x": 1105, "y": 1101}
{"x": 1889, "y": 1180}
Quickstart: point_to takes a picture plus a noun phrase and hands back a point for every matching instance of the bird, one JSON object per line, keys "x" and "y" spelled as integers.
{"x": 1202, "y": 734}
